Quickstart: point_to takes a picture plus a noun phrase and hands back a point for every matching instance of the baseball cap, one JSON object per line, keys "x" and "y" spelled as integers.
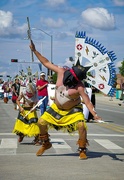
{"x": 42, "y": 74}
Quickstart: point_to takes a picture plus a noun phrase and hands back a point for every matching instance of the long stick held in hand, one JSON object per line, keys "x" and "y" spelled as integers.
{"x": 29, "y": 37}
{"x": 38, "y": 104}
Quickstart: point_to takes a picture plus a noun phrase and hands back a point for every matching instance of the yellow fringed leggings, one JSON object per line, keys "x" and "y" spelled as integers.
{"x": 67, "y": 120}
{"x": 27, "y": 126}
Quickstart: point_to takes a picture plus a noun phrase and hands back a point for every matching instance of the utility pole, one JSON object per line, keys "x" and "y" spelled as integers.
{"x": 49, "y": 72}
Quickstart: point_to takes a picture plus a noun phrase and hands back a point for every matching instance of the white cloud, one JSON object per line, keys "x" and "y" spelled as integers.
{"x": 6, "y": 19}
{"x": 8, "y": 26}
{"x": 52, "y": 23}
{"x": 99, "y": 18}
{"x": 119, "y": 2}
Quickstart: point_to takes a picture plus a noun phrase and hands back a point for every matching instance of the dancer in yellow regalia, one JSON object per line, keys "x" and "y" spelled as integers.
{"x": 66, "y": 112}
{"x": 27, "y": 125}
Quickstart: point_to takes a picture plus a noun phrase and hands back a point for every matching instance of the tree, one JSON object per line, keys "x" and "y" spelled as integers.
{"x": 121, "y": 68}
{"x": 54, "y": 77}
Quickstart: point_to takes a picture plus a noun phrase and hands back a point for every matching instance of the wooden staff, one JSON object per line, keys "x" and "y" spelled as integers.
{"x": 37, "y": 105}
{"x": 29, "y": 37}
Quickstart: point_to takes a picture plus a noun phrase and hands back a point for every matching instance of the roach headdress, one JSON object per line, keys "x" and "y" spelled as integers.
{"x": 74, "y": 75}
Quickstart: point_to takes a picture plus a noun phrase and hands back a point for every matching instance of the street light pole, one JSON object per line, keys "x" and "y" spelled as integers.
{"x": 51, "y": 38}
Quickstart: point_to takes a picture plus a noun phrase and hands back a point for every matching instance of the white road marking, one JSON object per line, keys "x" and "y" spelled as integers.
{"x": 107, "y": 135}
{"x": 61, "y": 146}
{"x": 8, "y": 146}
{"x": 75, "y": 134}
{"x": 9, "y": 134}
{"x": 110, "y": 145}
{"x": 8, "y": 143}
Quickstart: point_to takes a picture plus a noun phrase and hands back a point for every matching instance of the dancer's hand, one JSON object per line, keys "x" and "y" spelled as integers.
{"x": 96, "y": 117}
{"x": 32, "y": 46}
{"x": 21, "y": 109}
{"x": 52, "y": 98}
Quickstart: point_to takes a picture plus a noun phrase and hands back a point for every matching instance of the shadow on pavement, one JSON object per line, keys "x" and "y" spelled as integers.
{"x": 91, "y": 155}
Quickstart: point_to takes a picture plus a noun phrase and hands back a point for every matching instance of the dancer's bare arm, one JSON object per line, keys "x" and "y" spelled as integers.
{"x": 18, "y": 102}
{"x": 44, "y": 60}
{"x": 89, "y": 104}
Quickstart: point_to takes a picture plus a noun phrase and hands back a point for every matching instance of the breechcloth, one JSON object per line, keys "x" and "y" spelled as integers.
{"x": 27, "y": 126}
{"x": 63, "y": 119}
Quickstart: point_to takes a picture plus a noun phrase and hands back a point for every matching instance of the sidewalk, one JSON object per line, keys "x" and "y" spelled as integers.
{"x": 105, "y": 98}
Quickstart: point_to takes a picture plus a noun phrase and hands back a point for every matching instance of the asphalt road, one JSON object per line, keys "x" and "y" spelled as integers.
{"x": 105, "y": 153}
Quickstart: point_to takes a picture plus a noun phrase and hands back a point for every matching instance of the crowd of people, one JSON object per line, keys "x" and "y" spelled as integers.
{"x": 24, "y": 100}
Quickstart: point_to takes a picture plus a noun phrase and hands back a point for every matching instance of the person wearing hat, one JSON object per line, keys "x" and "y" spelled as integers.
{"x": 66, "y": 112}
{"x": 27, "y": 125}
{"x": 42, "y": 91}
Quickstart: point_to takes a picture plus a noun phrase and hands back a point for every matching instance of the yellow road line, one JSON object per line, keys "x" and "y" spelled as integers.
{"x": 113, "y": 127}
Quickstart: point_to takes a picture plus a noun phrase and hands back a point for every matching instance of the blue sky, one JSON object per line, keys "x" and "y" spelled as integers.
{"x": 102, "y": 20}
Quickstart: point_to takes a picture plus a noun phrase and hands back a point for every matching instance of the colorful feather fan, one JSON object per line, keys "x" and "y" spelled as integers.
{"x": 102, "y": 74}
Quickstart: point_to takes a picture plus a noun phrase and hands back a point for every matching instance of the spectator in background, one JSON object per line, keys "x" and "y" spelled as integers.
{"x": 1, "y": 90}
{"x": 15, "y": 92}
{"x": 6, "y": 89}
{"x": 42, "y": 91}
{"x": 122, "y": 94}
{"x": 93, "y": 100}
{"x": 51, "y": 82}
{"x": 1, "y": 81}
